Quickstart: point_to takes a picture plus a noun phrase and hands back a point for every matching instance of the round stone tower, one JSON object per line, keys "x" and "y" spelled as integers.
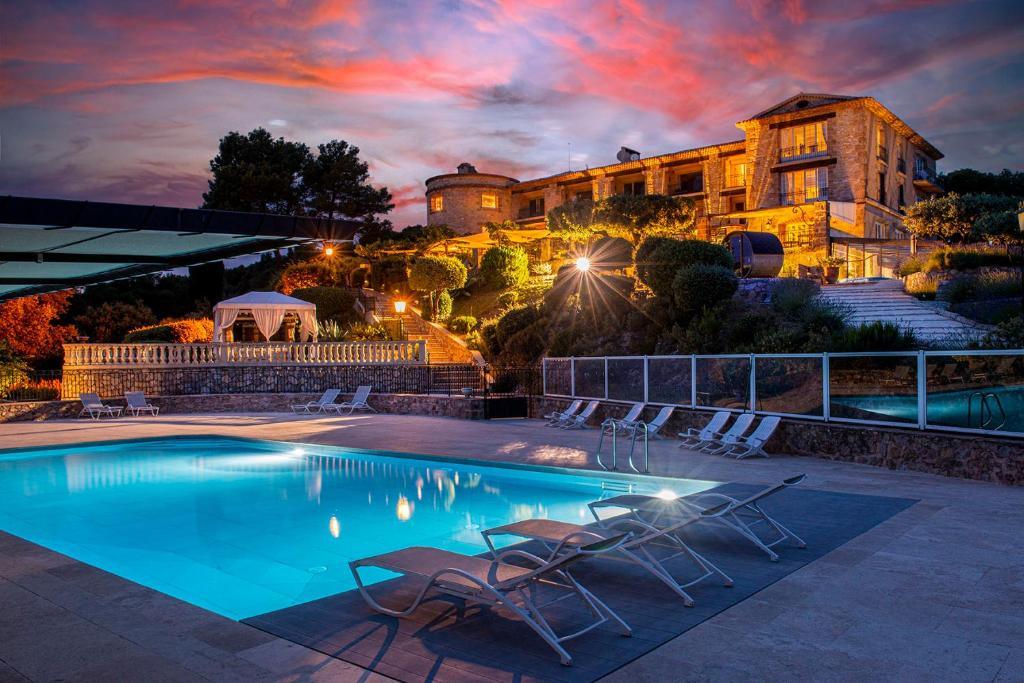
{"x": 466, "y": 200}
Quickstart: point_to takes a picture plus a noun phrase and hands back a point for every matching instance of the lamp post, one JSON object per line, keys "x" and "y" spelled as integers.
{"x": 1020, "y": 226}
{"x": 400, "y": 311}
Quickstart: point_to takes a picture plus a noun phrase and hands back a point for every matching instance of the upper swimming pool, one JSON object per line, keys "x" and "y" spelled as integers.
{"x": 244, "y": 527}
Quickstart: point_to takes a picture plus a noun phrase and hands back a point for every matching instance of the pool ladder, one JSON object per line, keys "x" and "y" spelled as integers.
{"x": 985, "y": 413}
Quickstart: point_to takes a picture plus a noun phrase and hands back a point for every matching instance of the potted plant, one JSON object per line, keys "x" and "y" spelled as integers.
{"x": 830, "y": 266}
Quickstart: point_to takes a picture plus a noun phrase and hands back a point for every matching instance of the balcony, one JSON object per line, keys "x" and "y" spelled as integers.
{"x": 690, "y": 185}
{"x": 924, "y": 179}
{"x": 811, "y": 194}
{"x": 734, "y": 180}
{"x": 883, "y": 152}
{"x": 801, "y": 152}
{"x": 901, "y": 165}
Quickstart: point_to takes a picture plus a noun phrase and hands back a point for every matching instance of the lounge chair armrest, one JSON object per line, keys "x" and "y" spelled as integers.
{"x": 523, "y": 555}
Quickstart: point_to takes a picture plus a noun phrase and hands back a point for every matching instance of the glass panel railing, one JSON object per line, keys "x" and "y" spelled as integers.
{"x": 558, "y": 376}
{"x": 590, "y": 377}
{"x": 976, "y": 391}
{"x": 668, "y": 380}
{"x": 879, "y": 388}
{"x": 626, "y": 379}
{"x": 724, "y": 382}
{"x": 789, "y": 384}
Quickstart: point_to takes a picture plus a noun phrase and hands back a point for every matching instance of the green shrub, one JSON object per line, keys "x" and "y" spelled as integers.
{"x": 911, "y": 265}
{"x": 658, "y": 259}
{"x": 462, "y": 324}
{"x": 533, "y": 291}
{"x": 504, "y": 267}
{"x": 366, "y": 332}
{"x": 542, "y": 269}
{"x": 702, "y": 286}
{"x": 923, "y": 288}
{"x": 489, "y": 336}
{"x": 330, "y": 330}
{"x": 790, "y": 296}
{"x": 307, "y": 275}
{"x": 875, "y": 336}
{"x": 332, "y": 303}
{"x": 442, "y": 306}
{"x": 968, "y": 259}
{"x": 188, "y": 331}
{"x": 388, "y": 272}
{"x": 507, "y": 299}
{"x": 981, "y": 287}
{"x": 1007, "y": 335}
{"x": 514, "y": 321}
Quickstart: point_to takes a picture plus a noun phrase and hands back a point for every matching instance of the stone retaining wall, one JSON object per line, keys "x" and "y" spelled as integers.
{"x": 404, "y": 404}
{"x": 967, "y": 456}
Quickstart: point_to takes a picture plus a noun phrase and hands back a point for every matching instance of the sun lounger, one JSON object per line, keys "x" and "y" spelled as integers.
{"x": 498, "y": 582}
{"x": 753, "y": 444}
{"x": 732, "y": 435}
{"x": 696, "y": 438}
{"x": 137, "y": 403}
{"x": 556, "y": 417}
{"x": 638, "y": 548}
{"x": 580, "y": 421}
{"x": 653, "y": 428}
{"x": 358, "y": 402}
{"x": 740, "y": 515}
{"x": 625, "y": 423}
{"x": 95, "y": 408}
{"x": 319, "y": 405}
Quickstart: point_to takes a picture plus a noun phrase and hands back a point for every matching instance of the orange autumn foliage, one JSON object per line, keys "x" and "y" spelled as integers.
{"x": 27, "y": 324}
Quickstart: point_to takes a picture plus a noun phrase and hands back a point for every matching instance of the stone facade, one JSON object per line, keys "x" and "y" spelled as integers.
{"x": 986, "y": 458}
{"x": 461, "y": 200}
{"x": 866, "y": 147}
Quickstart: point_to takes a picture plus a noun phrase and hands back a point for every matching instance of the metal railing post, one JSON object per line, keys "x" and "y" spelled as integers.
{"x": 826, "y": 411}
{"x": 753, "y": 383}
{"x": 544, "y": 377}
{"x": 693, "y": 381}
{"x": 646, "y": 377}
{"x": 606, "y": 378}
{"x": 572, "y": 376}
{"x": 922, "y": 390}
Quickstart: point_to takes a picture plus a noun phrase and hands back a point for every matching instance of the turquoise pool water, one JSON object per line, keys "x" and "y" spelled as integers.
{"x": 946, "y": 408}
{"x": 245, "y": 527}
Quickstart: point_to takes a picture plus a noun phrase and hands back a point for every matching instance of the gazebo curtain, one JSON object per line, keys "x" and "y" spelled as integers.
{"x": 223, "y": 319}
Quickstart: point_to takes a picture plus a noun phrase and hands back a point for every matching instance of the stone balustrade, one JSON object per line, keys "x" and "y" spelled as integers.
{"x": 200, "y": 355}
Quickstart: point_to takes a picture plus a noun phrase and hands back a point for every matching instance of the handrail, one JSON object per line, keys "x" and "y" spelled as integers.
{"x": 214, "y": 354}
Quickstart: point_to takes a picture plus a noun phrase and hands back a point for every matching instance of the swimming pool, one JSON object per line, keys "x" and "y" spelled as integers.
{"x": 959, "y": 408}
{"x": 243, "y": 527}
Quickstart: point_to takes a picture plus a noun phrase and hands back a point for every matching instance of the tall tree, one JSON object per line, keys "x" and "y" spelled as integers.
{"x": 28, "y": 325}
{"x": 969, "y": 181}
{"x": 955, "y": 218}
{"x": 336, "y": 184}
{"x": 255, "y": 172}
{"x": 632, "y": 218}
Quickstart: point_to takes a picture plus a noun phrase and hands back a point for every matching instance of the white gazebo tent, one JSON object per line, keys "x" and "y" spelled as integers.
{"x": 268, "y": 310}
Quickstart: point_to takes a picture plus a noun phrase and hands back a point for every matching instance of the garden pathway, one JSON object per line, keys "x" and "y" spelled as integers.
{"x": 886, "y": 301}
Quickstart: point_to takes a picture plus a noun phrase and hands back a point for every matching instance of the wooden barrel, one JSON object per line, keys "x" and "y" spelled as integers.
{"x": 755, "y": 254}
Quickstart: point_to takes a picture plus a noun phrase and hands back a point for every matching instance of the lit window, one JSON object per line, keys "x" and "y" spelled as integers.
{"x": 489, "y": 200}
{"x": 436, "y": 203}
{"x": 736, "y": 171}
{"x": 806, "y": 140}
{"x": 801, "y": 187}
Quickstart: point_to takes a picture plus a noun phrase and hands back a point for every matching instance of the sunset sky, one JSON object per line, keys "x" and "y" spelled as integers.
{"x": 125, "y": 101}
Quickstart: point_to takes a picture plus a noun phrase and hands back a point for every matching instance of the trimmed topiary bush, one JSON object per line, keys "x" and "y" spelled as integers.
{"x": 462, "y": 324}
{"x": 173, "y": 332}
{"x": 702, "y": 286}
{"x": 504, "y": 267}
{"x": 434, "y": 273}
{"x": 514, "y": 321}
{"x": 442, "y": 306}
{"x": 658, "y": 259}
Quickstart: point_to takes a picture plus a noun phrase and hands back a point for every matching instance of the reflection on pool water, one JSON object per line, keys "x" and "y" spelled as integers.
{"x": 947, "y": 408}
{"x": 244, "y": 527}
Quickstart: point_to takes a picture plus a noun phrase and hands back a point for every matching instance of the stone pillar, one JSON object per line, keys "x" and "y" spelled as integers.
{"x": 655, "y": 180}
{"x": 604, "y": 187}
{"x": 553, "y": 196}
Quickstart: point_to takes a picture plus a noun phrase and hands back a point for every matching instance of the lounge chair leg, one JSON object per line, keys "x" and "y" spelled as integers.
{"x": 604, "y": 609}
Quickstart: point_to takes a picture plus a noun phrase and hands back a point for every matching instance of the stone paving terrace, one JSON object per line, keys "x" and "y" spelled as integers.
{"x": 933, "y": 594}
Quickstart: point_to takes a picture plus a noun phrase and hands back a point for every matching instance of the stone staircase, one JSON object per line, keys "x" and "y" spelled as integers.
{"x": 442, "y": 346}
{"x": 886, "y": 301}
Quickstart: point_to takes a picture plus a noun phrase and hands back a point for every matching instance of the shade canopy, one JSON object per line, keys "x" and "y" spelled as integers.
{"x": 483, "y": 240}
{"x": 268, "y": 310}
{"x": 53, "y": 244}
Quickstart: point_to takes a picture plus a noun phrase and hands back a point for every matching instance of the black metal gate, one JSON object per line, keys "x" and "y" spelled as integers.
{"x": 509, "y": 392}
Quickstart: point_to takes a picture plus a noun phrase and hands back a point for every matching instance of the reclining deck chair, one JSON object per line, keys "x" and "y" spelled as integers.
{"x": 497, "y": 582}
{"x": 556, "y": 416}
{"x": 358, "y": 401}
{"x": 319, "y": 405}
{"x": 753, "y": 444}
{"x": 625, "y": 423}
{"x": 732, "y": 435}
{"x": 95, "y": 408}
{"x": 697, "y": 438}
{"x": 740, "y": 515}
{"x": 636, "y": 549}
{"x": 580, "y": 421}
{"x": 136, "y": 404}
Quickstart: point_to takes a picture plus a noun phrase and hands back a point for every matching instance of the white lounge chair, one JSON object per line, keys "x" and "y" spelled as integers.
{"x": 697, "y": 438}
{"x": 580, "y": 421}
{"x": 95, "y": 408}
{"x": 625, "y": 423}
{"x": 753, "y": 444}
{"x": 638, "y": 548}
{"x": 137, "y": 404}
{"x": 358, "y": 401}
{"x": 319, "y": 405}
{"x": 740, "y": 515}
{"x": 556, "y": 417}
{"x": 498, "y": 582}
{"x": 732, "y": 435}
{"x": 653, "y": 428}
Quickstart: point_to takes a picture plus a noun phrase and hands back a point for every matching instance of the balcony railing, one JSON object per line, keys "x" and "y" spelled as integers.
{"x": 814, "y": 194}
{"x": 690, "y": 186}
{"x": 736, "y": 180}
{"x": 924, "y": 173}
{"x": 236, "y": 354}
{"x": 883, "y": 152}
{"x": 803, "y": 152}
{"x": 901, "y": 165}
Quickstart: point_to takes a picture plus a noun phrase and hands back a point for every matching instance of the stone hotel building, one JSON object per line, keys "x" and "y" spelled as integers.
{"x": 827, "y": 174}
